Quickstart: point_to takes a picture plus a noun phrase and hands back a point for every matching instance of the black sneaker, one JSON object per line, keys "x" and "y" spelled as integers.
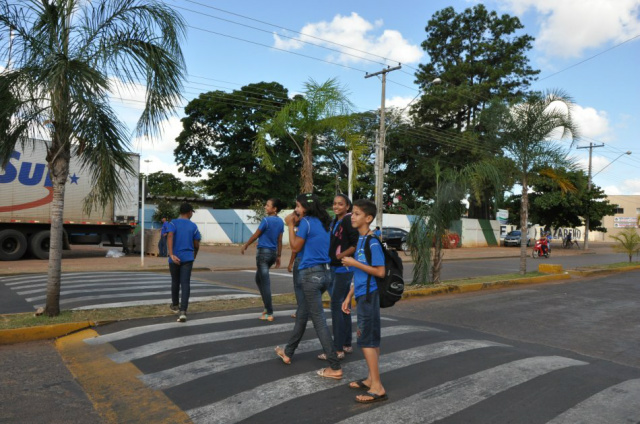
{"x": 174, "y": 308}
{"x": 182, "y": 317}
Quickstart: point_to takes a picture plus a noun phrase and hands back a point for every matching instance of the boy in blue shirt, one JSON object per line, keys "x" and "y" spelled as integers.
{"x": 183, "y": 242}
{"x": 368, "y": 309}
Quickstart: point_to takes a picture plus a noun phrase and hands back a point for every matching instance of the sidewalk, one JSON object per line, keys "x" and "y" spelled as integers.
{"x": 228, "y": 257}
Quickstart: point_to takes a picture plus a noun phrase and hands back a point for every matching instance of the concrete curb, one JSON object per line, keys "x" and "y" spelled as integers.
{"x": 43, "y": 332}
{"x": 590, "y": 272}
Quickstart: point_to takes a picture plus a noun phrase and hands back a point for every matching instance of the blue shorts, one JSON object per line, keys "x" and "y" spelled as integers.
{"x": 369, "y": 320}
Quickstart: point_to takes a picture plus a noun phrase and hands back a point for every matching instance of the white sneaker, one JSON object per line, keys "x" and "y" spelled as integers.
{"x": 182, "y": 317}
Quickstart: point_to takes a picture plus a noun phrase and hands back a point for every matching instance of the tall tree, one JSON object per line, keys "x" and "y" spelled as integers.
{"x": 479, "y": 56}
{"x": 526, "y": 130}
{"x": 164, "y": 184}
{"x": 67, "y": 55}
{"x": 322, "y": 107}
{"x": 218, "y": 134}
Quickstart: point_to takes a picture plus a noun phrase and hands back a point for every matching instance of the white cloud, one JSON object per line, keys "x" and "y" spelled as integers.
{"x": 398, "y": 102}
{"x": 569, "y": 27}
{"x": 356, "y": 32}
{"x": 592, "y": 123}
{"x": 166, "y": 142}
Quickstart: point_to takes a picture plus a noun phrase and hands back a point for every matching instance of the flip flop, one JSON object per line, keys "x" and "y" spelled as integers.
{"x": 281, "y": 355}
{"x": 374, "y": 398}
{"x": 323, "y": 375}
{"x": 359, "y": 385}
{"x": 323, "y": 356}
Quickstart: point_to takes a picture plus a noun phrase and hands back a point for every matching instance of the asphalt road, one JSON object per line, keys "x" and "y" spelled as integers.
{"x": 548, "y": 353}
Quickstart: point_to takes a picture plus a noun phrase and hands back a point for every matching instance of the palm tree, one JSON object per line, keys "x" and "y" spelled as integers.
{"x": 66, "y": 56}
{"x": 322, "y": 108}
{"x": 526, "y": 130}
{"x": 628, "y": 242}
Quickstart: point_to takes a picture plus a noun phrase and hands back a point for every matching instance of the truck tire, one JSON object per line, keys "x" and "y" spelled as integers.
{"x": 39, "y": 244}
{"x": 13, "y": 245}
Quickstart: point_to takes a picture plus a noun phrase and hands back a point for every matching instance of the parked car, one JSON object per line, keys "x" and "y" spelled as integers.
{"x": 395, "y": 238}
{"x": 513, "y": 239}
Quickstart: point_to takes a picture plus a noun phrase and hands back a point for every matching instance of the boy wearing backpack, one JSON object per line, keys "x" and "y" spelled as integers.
{"x": 368, "y": 302}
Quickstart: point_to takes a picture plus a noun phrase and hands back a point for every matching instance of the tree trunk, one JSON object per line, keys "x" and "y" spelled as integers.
{"x": 306, "y": 174}
{"x": 59, "y": 169}
{"x": 524, "y": 231}
{"x": 436, "y": 267}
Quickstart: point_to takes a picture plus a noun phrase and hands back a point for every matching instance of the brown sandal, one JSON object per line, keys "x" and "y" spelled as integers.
{"x": 323, "y": 356}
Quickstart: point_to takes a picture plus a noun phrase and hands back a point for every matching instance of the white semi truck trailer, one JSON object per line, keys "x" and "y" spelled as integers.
{"x": 26, "y": 194}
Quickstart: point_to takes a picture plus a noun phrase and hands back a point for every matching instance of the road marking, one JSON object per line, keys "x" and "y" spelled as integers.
{"x": 192, "y": 371}
{"x": 454, "y": 396}
{"x": 166, "y": 293}
{"x": 137, "y": 331}
{"x": 114, "y": 390}
{"x": 111, "y": 282}
{"x": 39, "y": 277}
{"x": 180, "y": 342}
{"x": 158, "y": 291}
{"x": 161, "y": 301}
{"x": 97, "y": 287}
{"x": 269, "y": 395}
{"x": 616, "y": 404}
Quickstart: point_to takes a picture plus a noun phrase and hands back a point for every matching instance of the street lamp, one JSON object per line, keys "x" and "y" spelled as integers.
{"x": 586, "y": 221}
{"x": 144, "y": 177}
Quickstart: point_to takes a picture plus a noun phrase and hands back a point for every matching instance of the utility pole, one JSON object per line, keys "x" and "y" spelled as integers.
{"x": 379, "y": 165}
{"x": 586, "y": 226}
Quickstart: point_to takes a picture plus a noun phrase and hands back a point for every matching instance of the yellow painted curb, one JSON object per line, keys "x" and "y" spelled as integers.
{"x": 114, "y": 389}
{"x": 463, "y": 288}
{"x": 43, "y": 332}
{"x": 550, "y": 268}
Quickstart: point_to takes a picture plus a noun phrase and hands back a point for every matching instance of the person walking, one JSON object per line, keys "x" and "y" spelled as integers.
{"x": 342, "y": 243}
{"x": 315, "y": 276}
{"x": 269, "y": 236}
{"x": 366, "y": 293}
{"x": 183, "y": 243}
{"x": 162, "y": 243}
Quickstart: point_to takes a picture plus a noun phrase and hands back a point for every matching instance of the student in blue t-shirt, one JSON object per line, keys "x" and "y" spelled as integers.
{"x": 162, "y": 244}
{"x": 269, "y": 235}
{"x": 315, "y": 276}
{"x": 183, "y": 243}
{"x": 368, "y": 309}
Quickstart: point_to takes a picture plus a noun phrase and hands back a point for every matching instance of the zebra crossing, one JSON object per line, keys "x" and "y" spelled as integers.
{"x": 97, "y": 290}
{"x": 222, "y": 369}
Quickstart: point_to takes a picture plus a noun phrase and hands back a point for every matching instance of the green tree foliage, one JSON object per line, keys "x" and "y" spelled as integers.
{"x": 479, "y": 56}
{"x": 67, "y": 55}
{"x": 559, "y": 198}
{"x": 165, "y": 209}
{"x": 628, "y": 241}
{"x": 218, "y": 134}
{"x": 525, "y": 130}
{"x": 322, "y": 108}
{"x": 164, "y": 184}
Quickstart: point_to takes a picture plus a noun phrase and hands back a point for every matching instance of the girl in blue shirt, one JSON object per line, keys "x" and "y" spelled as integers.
{"x": 315, "y": 276}
{"x": 269, "y": 235}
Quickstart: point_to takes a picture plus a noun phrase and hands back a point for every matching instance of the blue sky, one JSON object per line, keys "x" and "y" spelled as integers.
{"x": 605, "y": 88}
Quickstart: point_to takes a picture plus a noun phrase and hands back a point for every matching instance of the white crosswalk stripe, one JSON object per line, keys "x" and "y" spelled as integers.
{"x": 188, "y": 372}
{"x": 274, "y": 393}
{"x": 616, "y": 404}
{"x": 448, "y": 398}
{"x": 163, "y": 301}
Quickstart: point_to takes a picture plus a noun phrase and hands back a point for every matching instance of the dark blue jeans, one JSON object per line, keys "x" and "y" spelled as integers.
{"x": 181, "y": 280}
{"x": 265, "y": 258}
{"x": 297, "y": 284}
{"x": 162, "y": 246}
{"x": 315, "y": 281}
{"x": 341, "y": 321}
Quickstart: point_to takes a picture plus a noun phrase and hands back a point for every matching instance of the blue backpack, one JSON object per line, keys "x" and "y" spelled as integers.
{"x": 391, "y": 286}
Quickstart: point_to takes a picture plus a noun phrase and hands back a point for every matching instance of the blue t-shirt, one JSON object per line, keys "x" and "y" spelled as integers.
{"x": 271, "y": 227}
{"x": 165, "y": 228}
{"x": 184, "y": 233}
{"x": 359, "y": 276}
{"x": 316, "y": 245}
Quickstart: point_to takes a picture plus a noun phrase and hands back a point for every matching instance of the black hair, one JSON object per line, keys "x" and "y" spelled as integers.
{"x": 346, "y": 199}
{"x": 367, "y": 206}
{"x": 276, "y": 203}
{"x": 311, "y": 205}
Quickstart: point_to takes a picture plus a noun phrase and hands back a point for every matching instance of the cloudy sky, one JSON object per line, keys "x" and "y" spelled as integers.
{"x": 589, "y": 48}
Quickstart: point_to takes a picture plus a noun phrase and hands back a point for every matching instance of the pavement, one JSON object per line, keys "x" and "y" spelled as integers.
{"x": 35, "y": 373}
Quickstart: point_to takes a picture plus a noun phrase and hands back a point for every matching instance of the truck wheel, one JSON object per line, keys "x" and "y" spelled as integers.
{"x": 13, "y": 245}
{"x": 39, "y": 244}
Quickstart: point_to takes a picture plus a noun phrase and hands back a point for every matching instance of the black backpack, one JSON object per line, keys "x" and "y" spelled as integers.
{"x": 391, "y": 286}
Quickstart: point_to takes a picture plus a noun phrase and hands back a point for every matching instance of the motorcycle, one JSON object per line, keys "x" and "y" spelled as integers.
{"x": 541, "y": 248}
